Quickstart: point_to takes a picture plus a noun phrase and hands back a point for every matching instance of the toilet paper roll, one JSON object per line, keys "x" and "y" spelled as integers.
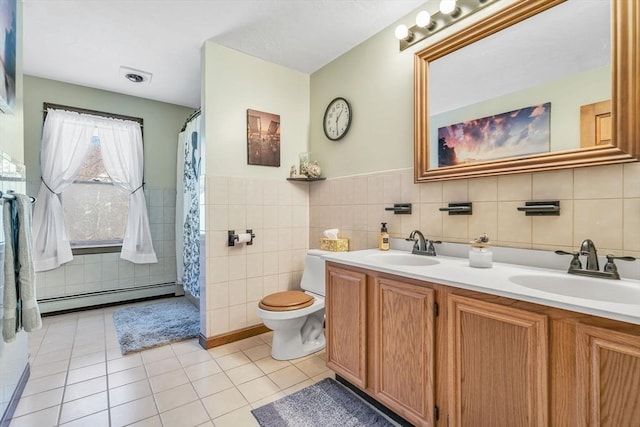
{"x": 244, "y": 237}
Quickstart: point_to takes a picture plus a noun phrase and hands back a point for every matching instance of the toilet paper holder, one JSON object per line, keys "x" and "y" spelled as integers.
{"x": 232, "y": 237}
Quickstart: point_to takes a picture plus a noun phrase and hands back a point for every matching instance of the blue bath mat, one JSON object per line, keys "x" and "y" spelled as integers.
{"x": 151, "y": 325}
{"x": 324, "y": 404}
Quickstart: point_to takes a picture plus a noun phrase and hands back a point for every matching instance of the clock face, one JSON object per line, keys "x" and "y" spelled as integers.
{"x": 337, "y": 119}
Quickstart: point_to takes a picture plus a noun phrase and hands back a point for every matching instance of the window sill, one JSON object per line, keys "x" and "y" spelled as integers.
{"x": 96, "y": 250}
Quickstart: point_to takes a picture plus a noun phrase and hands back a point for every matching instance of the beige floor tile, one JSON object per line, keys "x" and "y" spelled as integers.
{"x": 125, "y": 362}
{"x": 268, "y": 399}
{"x": 85, "y": 388}
{"x": 148, "y": 422}
{"x": 298, "y": 387}
{"x": 175, "y": 385}
{"x": 232, "y": 360}
{"x": 44, "y": 383}
{"x": 131, "y": 412}
{"x": 212, "y": 384}
{"x": 186, "y": 346}
{"x": 82, "y": 407}
{"x": 258, "y": 389}
{"x": 87, "y": 360}
{"x": 169, "y": 380}
{"x": 129, "y": 392}
{"x": 39, "y": 401}
{"x": 325, "y": 374}
{"x": 312, "y": 366}
{"x": 158, "y": 353}
{"x": 244, "y": 373}
{"x": 202, "y": 370}
{"x": 239, "y": 417}
{"x": 127, "y": 376}
{"x": 163, "y": 366}
{"x": 269, "y": 365}
{"x": 224, "y": 402}
{"x": 47, "y": 369}
{"x": 45, "y": 418}
{"x": 223, "y": 350}
{"x": 174, "y": 397}
{"x": 194, "y": 357}
{"x": 249, "y": 343}
{"x": 258, "y": 352}
{"x": 285, "y": 378}
{"x": 87, "y": 373}
{"x": 100, "y": 419}
{"x": 192, "y": 414}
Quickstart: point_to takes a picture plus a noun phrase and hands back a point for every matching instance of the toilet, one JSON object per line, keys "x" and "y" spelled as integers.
{"x": 297, "y": 317}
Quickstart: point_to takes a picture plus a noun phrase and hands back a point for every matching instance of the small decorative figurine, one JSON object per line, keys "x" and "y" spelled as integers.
{"x": 481, "y": 242}
{"x": 293, "y": 172}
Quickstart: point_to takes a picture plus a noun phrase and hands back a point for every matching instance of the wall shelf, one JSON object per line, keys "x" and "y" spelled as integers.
{"x": 306, "y": 179}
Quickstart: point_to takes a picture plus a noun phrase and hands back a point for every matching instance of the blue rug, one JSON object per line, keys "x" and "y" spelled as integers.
{"x": 152, "y": 325}
{"x": 324, "y": 404}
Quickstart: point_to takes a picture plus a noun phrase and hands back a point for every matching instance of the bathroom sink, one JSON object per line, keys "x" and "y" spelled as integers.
{"x": 406, "y": 260}
{"x": 617, "y": 291}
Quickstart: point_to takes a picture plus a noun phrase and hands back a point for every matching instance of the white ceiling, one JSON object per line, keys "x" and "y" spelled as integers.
{"x": 86, "y": 42}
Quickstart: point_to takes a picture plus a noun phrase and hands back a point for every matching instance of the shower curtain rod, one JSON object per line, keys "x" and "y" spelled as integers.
{"x": 191, "y": 117}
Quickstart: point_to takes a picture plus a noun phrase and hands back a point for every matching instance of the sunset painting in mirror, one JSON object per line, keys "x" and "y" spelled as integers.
{"x": 516, "y": 133}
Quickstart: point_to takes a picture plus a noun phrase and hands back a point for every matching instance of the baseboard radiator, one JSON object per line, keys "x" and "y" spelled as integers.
{"x": 110, "y": 296}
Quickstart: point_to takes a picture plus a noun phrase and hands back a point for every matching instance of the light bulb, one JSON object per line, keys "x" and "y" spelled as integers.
{"x": 423, "y": 19}
{"x": 402, "y": 32}
{"x": 447, "y": 6}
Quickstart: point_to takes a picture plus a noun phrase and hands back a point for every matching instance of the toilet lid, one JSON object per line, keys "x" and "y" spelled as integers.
{"x": 286, "y": 301}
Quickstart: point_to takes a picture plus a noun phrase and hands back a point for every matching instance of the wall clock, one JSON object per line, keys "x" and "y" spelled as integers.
{"x": 337, "y": 119}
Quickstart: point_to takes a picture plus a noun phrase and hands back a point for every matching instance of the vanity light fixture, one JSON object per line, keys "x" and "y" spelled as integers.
{"x": 427, "y": 24}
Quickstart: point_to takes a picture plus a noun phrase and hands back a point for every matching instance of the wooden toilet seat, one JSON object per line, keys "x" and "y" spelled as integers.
{"x": 286, "y": 301}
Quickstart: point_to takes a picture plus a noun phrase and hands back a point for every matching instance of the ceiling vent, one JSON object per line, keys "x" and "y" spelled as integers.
{"x": 135, "y": 76}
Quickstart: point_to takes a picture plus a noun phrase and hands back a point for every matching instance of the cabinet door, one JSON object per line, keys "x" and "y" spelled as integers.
{"x": 608, "y": 373}
{"x": 346, "y": 324}
{"x": 497, "y": 358}
{"x": 404, "y": 328}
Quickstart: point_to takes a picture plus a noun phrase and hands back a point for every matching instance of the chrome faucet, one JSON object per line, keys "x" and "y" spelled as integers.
{"x": 422, "y": 245}
{"x": 589, "y": 249}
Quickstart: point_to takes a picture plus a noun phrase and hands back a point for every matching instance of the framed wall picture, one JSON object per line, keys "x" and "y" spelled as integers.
{"x": 8, "y": 35}
{"x": 263, "y": 138}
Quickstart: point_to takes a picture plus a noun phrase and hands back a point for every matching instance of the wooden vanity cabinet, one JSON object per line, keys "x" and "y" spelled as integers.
{"x": 403, "y": 322}
{"x": 483, "y": 360}
{"x": 380, "y": 337}
{"x": 608, "y": 377}
{"x": 346, "y": 326}
{"x": 497, "y": 359}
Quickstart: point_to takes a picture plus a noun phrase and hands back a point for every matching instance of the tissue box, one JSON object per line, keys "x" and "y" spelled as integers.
{"x": 334, "y": 245}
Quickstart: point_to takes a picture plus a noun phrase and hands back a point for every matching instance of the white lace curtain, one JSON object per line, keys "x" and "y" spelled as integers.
{"x": 66, "y": 138}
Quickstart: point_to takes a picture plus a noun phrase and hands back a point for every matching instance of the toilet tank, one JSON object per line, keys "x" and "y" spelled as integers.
{"x": 313, "y": 274}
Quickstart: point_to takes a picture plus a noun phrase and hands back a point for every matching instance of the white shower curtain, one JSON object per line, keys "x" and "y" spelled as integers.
{"x": 65, "y": 140}
{"x": 188, "y": 208}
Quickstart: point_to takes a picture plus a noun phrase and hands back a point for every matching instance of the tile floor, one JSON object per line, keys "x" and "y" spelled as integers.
{"x": 79, "y": 378}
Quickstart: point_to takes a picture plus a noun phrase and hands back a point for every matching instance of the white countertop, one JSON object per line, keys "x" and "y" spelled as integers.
{"x": 456, "y": 272}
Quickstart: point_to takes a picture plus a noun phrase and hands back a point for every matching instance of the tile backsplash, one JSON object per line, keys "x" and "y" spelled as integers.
{"x": 238, "y": 277}
{"x": 601, "y": 203}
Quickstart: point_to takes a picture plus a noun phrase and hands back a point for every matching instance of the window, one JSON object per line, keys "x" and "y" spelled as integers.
{"x": 95, "y": 210}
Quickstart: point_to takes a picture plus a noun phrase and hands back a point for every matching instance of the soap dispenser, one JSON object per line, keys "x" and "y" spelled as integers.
{"x": 383, "y": 238}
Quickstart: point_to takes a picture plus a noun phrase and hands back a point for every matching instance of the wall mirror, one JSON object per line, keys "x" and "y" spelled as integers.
{"x": 598, "y": 71}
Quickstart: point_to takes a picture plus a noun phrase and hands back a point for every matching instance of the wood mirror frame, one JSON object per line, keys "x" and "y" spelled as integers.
{"x": 625, "y": 70}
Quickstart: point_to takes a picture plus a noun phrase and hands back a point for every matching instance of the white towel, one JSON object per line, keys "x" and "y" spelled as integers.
{"x": 10, "y": 296}
{"x": 31, "y": 319}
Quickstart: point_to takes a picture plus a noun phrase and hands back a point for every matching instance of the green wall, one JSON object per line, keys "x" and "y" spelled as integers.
{"x": 162, "y": 122}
